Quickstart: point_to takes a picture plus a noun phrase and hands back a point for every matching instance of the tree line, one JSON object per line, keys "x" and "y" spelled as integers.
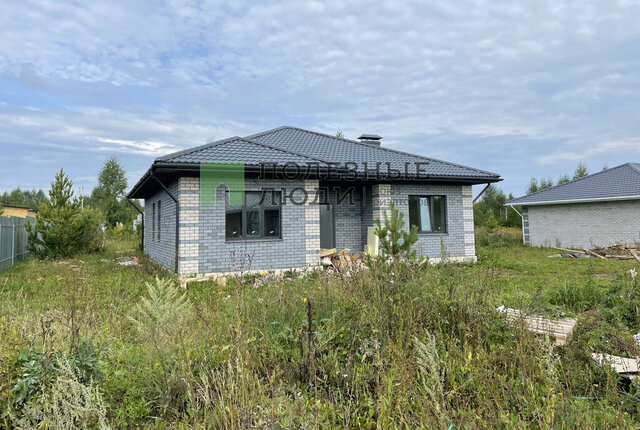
{"x": 66, "y": 223}
{"x": 108, "y": 197}
{"x": 536, "y": 184}
{"x": 26, "y": 198}
{"x": 491, "y": 211}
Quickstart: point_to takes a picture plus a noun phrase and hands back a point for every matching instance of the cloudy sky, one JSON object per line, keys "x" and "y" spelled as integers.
{"x": 524, "y": 89}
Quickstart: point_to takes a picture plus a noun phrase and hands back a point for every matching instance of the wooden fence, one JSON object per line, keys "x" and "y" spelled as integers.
{"x": 13, "y": 241}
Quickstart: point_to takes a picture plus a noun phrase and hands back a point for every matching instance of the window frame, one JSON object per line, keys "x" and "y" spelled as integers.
{"x": 159, "y": 220}
{"x": 244, "y": 219}
{"x": 430, "y": 197}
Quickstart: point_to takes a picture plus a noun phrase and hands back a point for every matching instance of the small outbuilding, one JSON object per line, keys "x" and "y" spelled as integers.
{"x": 583, "y": 213}
{"x": 18, "y": 211}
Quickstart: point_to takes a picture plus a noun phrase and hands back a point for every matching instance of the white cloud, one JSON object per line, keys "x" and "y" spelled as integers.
{"x": 540, "y": 81}
{"x": 626, "y": 147}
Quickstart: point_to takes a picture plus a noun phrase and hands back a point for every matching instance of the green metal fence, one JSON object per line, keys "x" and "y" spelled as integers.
{"x": 13, "y": 241}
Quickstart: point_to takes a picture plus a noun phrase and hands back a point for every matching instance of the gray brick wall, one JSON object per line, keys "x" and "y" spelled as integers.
{"x": 582, "y": 225}
{"x": 216, "y": 254}
{"x": 459, "y": 239}
{"x": 204, "y": 249}
{"x": 162, "y": 250}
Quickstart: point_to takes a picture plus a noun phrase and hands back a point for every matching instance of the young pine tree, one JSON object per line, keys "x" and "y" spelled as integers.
{"x": 62, "y": 228}
{"x": 391, "y": 234}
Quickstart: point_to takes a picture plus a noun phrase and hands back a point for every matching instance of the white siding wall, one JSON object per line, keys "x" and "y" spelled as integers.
{"x": 582, "y": 225}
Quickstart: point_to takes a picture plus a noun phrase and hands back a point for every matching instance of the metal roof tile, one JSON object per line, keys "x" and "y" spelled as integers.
{"x": 336, "y": 149}
{"x": 615, "y": 183}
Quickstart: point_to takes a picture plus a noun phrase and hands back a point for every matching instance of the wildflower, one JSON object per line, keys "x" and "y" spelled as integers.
{"x": 260, "y": 300}
{"x": 304, "y": 300}
{"x": 633, "y": 273}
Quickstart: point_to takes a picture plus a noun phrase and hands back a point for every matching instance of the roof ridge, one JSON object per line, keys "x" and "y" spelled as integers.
{"x": 197, "y": 148}
{"x": 266, "y": 145}
{"x": 273, "y": 130}
{"x": 572, "y": 181}
{"x": 372, "y": 146}
{"x": 168, "y": 157}
{"x": 634, "y": 166}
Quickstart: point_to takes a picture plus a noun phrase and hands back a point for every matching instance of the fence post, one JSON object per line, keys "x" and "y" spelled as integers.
{"x": 13, "y": 243}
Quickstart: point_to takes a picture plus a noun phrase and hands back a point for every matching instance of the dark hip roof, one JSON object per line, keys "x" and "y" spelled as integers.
{"x": 304, "y": 147}
{"x": 618, "y": 183}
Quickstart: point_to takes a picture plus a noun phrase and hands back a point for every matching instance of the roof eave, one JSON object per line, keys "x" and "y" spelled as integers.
{"x": 568, "y": 201}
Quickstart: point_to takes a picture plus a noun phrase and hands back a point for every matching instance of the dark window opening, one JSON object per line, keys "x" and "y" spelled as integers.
{"x": 159, "y": 218}
{"x": 259, "y": 216}
{"x": 153, "y": 222}
{"x": 428, "y": 213}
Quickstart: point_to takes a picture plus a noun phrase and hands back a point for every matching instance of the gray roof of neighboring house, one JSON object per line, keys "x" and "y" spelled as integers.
{"x": 303, "y": 147}
{"x": 618, "y": 183}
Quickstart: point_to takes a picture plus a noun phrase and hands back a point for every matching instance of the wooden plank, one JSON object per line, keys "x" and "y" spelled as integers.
{"x": 635, "y": 255}
{"x": 619, "y": 257}
{"x": 327, "y": 252}
{"x": 568, "y": 250}
{"x": 589, "y": 252}
{"x": 619, "y": 364}
{"x": 561, "y": 329}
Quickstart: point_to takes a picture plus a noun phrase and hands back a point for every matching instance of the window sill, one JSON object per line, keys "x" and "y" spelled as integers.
{"x": 432, "y": 233}
{"x": 257, "y": 239}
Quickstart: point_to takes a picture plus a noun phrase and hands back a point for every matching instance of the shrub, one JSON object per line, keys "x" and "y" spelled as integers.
{"x": 500, "y": 237}
{"x": 391, "y": 234}
{"x": 161, "y": 322}
{"x": 62, "y": 227}
{"x": 67, "y": 403}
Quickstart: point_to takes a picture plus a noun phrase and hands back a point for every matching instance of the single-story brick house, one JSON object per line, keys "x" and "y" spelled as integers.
{"x": 303, "y": 191}
{"x": 594, "y": 210}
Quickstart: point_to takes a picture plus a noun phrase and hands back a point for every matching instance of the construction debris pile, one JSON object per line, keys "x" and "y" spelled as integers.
{"x": 617, "y": 251}
{"x": 342, "y": 261}
{"x": 562, "y": 329}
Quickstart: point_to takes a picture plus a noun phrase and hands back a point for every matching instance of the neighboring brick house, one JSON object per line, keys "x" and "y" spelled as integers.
{"x": 590, "y": 211}
{"x": 303, "y": 191}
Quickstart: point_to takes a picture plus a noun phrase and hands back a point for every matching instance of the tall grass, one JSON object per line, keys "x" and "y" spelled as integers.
{"x": 400, "y": 345}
